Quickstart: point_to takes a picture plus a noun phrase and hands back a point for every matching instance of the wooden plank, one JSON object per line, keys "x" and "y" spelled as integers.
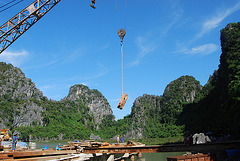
{"x": 3, "y": 155}
{"x": 43, "y": 158}
{"x": 21, "y": 154}
{"x": 165, "y": 148}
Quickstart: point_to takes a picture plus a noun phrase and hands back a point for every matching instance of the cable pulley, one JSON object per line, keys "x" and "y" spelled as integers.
{"x": 121, "y": 34}
{"x": 92, "y": 5}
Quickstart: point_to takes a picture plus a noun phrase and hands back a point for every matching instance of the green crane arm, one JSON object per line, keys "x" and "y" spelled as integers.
{"x": 20, "y": 23}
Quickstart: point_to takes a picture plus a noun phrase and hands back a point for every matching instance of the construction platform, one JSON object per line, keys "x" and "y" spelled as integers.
{"x": 197, "y": 148}
{"x": 91, "y": 149}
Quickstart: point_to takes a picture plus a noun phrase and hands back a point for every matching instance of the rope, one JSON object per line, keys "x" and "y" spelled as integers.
{"x": 117, "y": 15}
{"x": 122, "y": 66}
{"x": 125, "y": 21}
{"x": 7, "y": 4}
{"x": 10, "y": 6}
{"x": 124, "y": 28}
{"x": 125, "y": 14}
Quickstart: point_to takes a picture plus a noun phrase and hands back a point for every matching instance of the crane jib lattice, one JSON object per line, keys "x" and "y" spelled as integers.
{"x": 21, "y": 22}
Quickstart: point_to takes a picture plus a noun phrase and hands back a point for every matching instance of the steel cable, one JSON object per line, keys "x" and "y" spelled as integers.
{"x": 122, "y": 66}
{"x": 9, "y": 6}
{"x": 125, "y": 21}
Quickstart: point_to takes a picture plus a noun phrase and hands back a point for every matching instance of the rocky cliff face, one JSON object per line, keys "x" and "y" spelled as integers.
{"x": 14, "y": 83}
{"x": 228, "y": 80}
{"x": 97, "y": 103}
{"x": 140, "y": 107}
{"x": 30, "y": 114}
{"x": 151, "y": 110}
{"x": 17, "y": 94}
{"x": 184, "y": 89}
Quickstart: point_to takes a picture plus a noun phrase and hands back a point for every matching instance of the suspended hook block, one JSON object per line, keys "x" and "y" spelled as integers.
{"x": 92, "y": 5}
{"x": 121, "y": 34}
{"x": 122, "y": 101}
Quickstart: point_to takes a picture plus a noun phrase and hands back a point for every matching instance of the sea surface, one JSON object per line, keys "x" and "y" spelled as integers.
{"x": 145, "y": 156}
{"x": 39, "y": 145}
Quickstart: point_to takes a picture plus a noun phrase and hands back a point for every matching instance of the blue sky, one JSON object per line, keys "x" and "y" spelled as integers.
{"x": 74, "y": 44}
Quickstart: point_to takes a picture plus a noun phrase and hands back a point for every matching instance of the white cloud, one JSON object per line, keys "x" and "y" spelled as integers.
{"x": 101, "y": 71}
{"x": 47, "y": 87}
{"x": 208, "y": 25}
{"x": 135, "y": 63}
{"x": 147, "y": 44}
{"x": 146, "y": 47}
{"x": 84, "y": 83}
{"x": 16, "y": 58}
{"x": 114, "y": 100}
{"x": 40, "y": 66}
{"x": 73, "y": 56}
{"x": 203, "y": 49}
{"x": 174, "y": 15}
{"x": 55, "y": 91}
{"x": 214, "y": 22}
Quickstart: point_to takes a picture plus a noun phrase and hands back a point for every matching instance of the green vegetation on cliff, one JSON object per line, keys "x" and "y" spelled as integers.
{"x": 61, "y": 120}
{"x": 219, "y": 110}
{"x": 155, "y": 116}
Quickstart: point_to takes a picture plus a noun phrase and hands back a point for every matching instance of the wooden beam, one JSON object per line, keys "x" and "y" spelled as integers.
{"x": 165, "y": 148}
{"x": 36, "y": 153}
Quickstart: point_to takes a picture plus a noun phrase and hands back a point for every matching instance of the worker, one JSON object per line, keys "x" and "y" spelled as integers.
{"x": 57, "y": 147}
{"x": 44, "y": 147}
{"x": 14, "y": 141}
{"x": 118, "y": 139}
{"x": 122, "y": 139}
{"x": 76, "y": 140}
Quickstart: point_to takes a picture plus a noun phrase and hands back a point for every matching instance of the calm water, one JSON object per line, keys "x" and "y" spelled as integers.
{"x": 145, "y": 156}
{"x": 39, "y": 145}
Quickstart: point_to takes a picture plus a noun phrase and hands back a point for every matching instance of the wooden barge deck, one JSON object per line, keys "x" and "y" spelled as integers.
{"x": 197, "y": 148}
{"x": 34, "y": 154}
{"x": 74, "y": 150}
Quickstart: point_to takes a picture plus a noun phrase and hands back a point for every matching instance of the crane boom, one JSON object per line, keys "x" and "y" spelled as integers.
{"x": 20, "y": 23}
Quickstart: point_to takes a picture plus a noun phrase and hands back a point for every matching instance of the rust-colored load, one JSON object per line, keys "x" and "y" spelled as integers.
{"x": 122, "y": 101}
